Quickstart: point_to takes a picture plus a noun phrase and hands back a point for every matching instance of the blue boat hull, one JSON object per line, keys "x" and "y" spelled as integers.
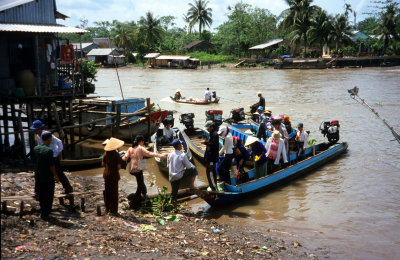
{"x": 233, "y": 194}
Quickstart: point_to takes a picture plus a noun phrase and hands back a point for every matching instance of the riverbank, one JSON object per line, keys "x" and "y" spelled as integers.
{"x": 72, "y": 233}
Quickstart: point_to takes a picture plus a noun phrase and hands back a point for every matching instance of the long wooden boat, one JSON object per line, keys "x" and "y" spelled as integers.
{"x": 316, "y": 156}
{"x": 134, "y": 125}
{"x": 195, "y": 102}
{"x": 167, "y": 149}
{"x": 194, "y": 138}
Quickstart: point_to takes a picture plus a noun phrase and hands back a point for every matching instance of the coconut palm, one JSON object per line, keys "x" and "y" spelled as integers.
{"x": 200, "y": 13}
{"x": 187, "y": 20}
{"x": 387, "y": 28}
{"x": 341, "y": 31}
{"x": 300, "y": 31}
{"x": 321, "y": 28}
{"x": 150, "y": 29}
{"x": 123, "y": 34}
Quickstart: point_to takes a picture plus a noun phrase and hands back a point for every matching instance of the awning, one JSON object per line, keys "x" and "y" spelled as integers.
{"x": 266, "y": 45}
{"x": 36, "y": 28}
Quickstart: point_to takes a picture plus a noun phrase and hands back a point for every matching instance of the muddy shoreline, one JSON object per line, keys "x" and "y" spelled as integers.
{"x": 72, "y": 233}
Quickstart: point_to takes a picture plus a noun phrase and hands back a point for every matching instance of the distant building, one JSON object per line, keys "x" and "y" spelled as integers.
{"x": 86, "y": 47}
{"x": 199, "y": 45}
{"x": 106, "y": 56}
{"x": 155, "y": 60}
{"x": 32, "y": 56}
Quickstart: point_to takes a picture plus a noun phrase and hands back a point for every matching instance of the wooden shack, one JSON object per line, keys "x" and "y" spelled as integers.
{"x": 37, "y": 69}
{"x": 106, "y": 56}
{"x": 172, "y": 61}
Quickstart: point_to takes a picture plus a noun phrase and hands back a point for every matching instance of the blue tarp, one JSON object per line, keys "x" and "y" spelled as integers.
{"x": 286, "y": 56}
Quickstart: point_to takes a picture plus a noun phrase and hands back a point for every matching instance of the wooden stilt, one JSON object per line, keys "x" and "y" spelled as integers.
{"x": 148, "y": 118}
{"x": 21, "y": 209}
{"x": 21, "y": 132}
{"x": 60, "y": 130}
{"x": 80, "y": 119}
{"x": 118, "y": 120}
{"x": 29, "y": 111}
{"x": 113, "y": 120}
{"x": 83, "y": 209}
{"x": 5, "y": 124}
{"x": 15, "y": 124}
{"x": 71, "y": 121}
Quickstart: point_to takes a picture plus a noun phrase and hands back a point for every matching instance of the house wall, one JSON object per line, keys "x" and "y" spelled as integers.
{"x": 37, "y": 12}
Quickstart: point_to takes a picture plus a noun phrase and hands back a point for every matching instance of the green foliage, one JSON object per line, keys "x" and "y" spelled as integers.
{"x": 199, "y": 13}
{"x": 89, "y": 71}
{"x": 349, "y": 51}
{"x": 282, "y": 49}
{"x": 205, "y": 57}
{"x": 160, "y": 205}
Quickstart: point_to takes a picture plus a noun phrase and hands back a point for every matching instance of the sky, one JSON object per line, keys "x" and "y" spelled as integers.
{"x": 128, "y": 10}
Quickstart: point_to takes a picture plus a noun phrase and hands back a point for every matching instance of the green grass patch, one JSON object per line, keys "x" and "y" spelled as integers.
{"x": 205, "y": 57}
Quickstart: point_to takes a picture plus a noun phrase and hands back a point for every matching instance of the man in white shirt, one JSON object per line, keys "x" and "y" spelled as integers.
{"x": 179, "y": 167}
{"x": 168, "y": 134}
{"x": 57, "y": 148}
{"x": 226, "y": 163}
{"x": 302, "y": 139}
{"x": 207, "y": 95}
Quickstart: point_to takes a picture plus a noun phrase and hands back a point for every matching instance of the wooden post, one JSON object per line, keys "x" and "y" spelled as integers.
{"x": 80, "y": 119}
{"x": 209, "y": 64}
{"x": 148, "y": 118}
{"x": 49, "y": 121}
{"x": 29, "y": 111}
{"x": 4, "y": 207}
{"x": 83, "y": 209}
{"x": 118, "y": 119}
{"x": 5, "y": 124}
{"x": 21, "y": 209}
{"x": 15, "y": 124}
{"x": 72, "y": 131}
{"x": 113, "y": 120}
{"x": 21, "y": 132}
{"x": 98, "y": 209}
{"x": 60, "y": 130}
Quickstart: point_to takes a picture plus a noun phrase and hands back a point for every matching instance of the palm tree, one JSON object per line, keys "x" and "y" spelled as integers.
{"x": 150, "y": 29}
{"x": 321, "y": 28}
{"x": 341, "y": 31}
{"x": 387, "y": 28}
{"x": 123, "y": 34}
{"x": 200, "y": 13}
{"x": 187, "y": 20}
{"x": 297, "y": 18}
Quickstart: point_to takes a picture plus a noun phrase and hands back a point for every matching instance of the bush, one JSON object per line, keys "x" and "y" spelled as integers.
{"x": 349, "y": 51}
{"x": 283, "y": 49}
{"x": 89, "y": 71}
{"x": 205, "y": 57}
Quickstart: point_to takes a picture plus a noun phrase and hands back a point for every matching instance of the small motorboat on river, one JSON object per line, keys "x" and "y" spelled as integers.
{"x": 195, "y": 101}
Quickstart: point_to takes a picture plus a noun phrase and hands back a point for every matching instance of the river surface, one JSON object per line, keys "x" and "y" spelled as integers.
{"x": 349, "y": 207}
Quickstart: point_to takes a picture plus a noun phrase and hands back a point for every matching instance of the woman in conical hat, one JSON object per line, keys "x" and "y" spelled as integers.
{"x": 258, "y": 154}
{"x": 111, "y": 163}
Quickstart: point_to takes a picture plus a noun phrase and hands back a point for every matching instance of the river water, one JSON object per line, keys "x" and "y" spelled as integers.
{"x": 349, "y": 207}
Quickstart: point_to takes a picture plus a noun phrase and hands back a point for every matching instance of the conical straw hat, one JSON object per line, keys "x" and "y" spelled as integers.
{"x": 250, "y": 140}
{"x": 113, "y": 144}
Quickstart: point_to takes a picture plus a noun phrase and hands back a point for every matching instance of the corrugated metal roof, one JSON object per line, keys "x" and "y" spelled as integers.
{"x": 7, "y": 4}
{"x": 173, "y": 57}
{"x": 266, "y": 45}
{"x": 101, "y": 52}
{"x": 34, "y": 28}
{"x": 84, "y": 45}
{"x": 152, "y": 55}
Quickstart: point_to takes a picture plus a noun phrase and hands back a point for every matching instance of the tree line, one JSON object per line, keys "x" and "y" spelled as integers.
{"x": 305, "y": 26}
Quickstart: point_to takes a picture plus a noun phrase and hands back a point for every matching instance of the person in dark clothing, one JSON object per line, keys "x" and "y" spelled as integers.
{"x": 262, "y": 128}
{"x": 57, "y": 148}
{"x": 45, "y": 174}
{"x": 211, "y": 155}
{"x": 112, "y": 164}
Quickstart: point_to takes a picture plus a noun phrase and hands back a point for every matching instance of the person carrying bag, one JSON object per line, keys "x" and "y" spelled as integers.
{"x": 138, "y": 164}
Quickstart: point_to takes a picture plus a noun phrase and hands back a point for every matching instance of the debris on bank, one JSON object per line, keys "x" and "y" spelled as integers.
{"x": 72, "y": 233}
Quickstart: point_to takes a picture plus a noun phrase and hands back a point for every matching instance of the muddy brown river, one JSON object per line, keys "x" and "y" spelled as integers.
{"x": 349, "y": 207}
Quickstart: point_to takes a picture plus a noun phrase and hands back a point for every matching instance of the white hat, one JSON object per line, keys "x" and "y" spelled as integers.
{"x": 250, "y": 140}
{"x": 178, "y": 90}
{"x": 113, "y": 144}
{"x": 222, "y": 131}
{"x": 259, "y": 93}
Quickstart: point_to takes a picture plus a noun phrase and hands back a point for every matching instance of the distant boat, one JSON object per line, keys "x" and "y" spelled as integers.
{"x": 195, "y": 101}
{"x": 167, "y": 149}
